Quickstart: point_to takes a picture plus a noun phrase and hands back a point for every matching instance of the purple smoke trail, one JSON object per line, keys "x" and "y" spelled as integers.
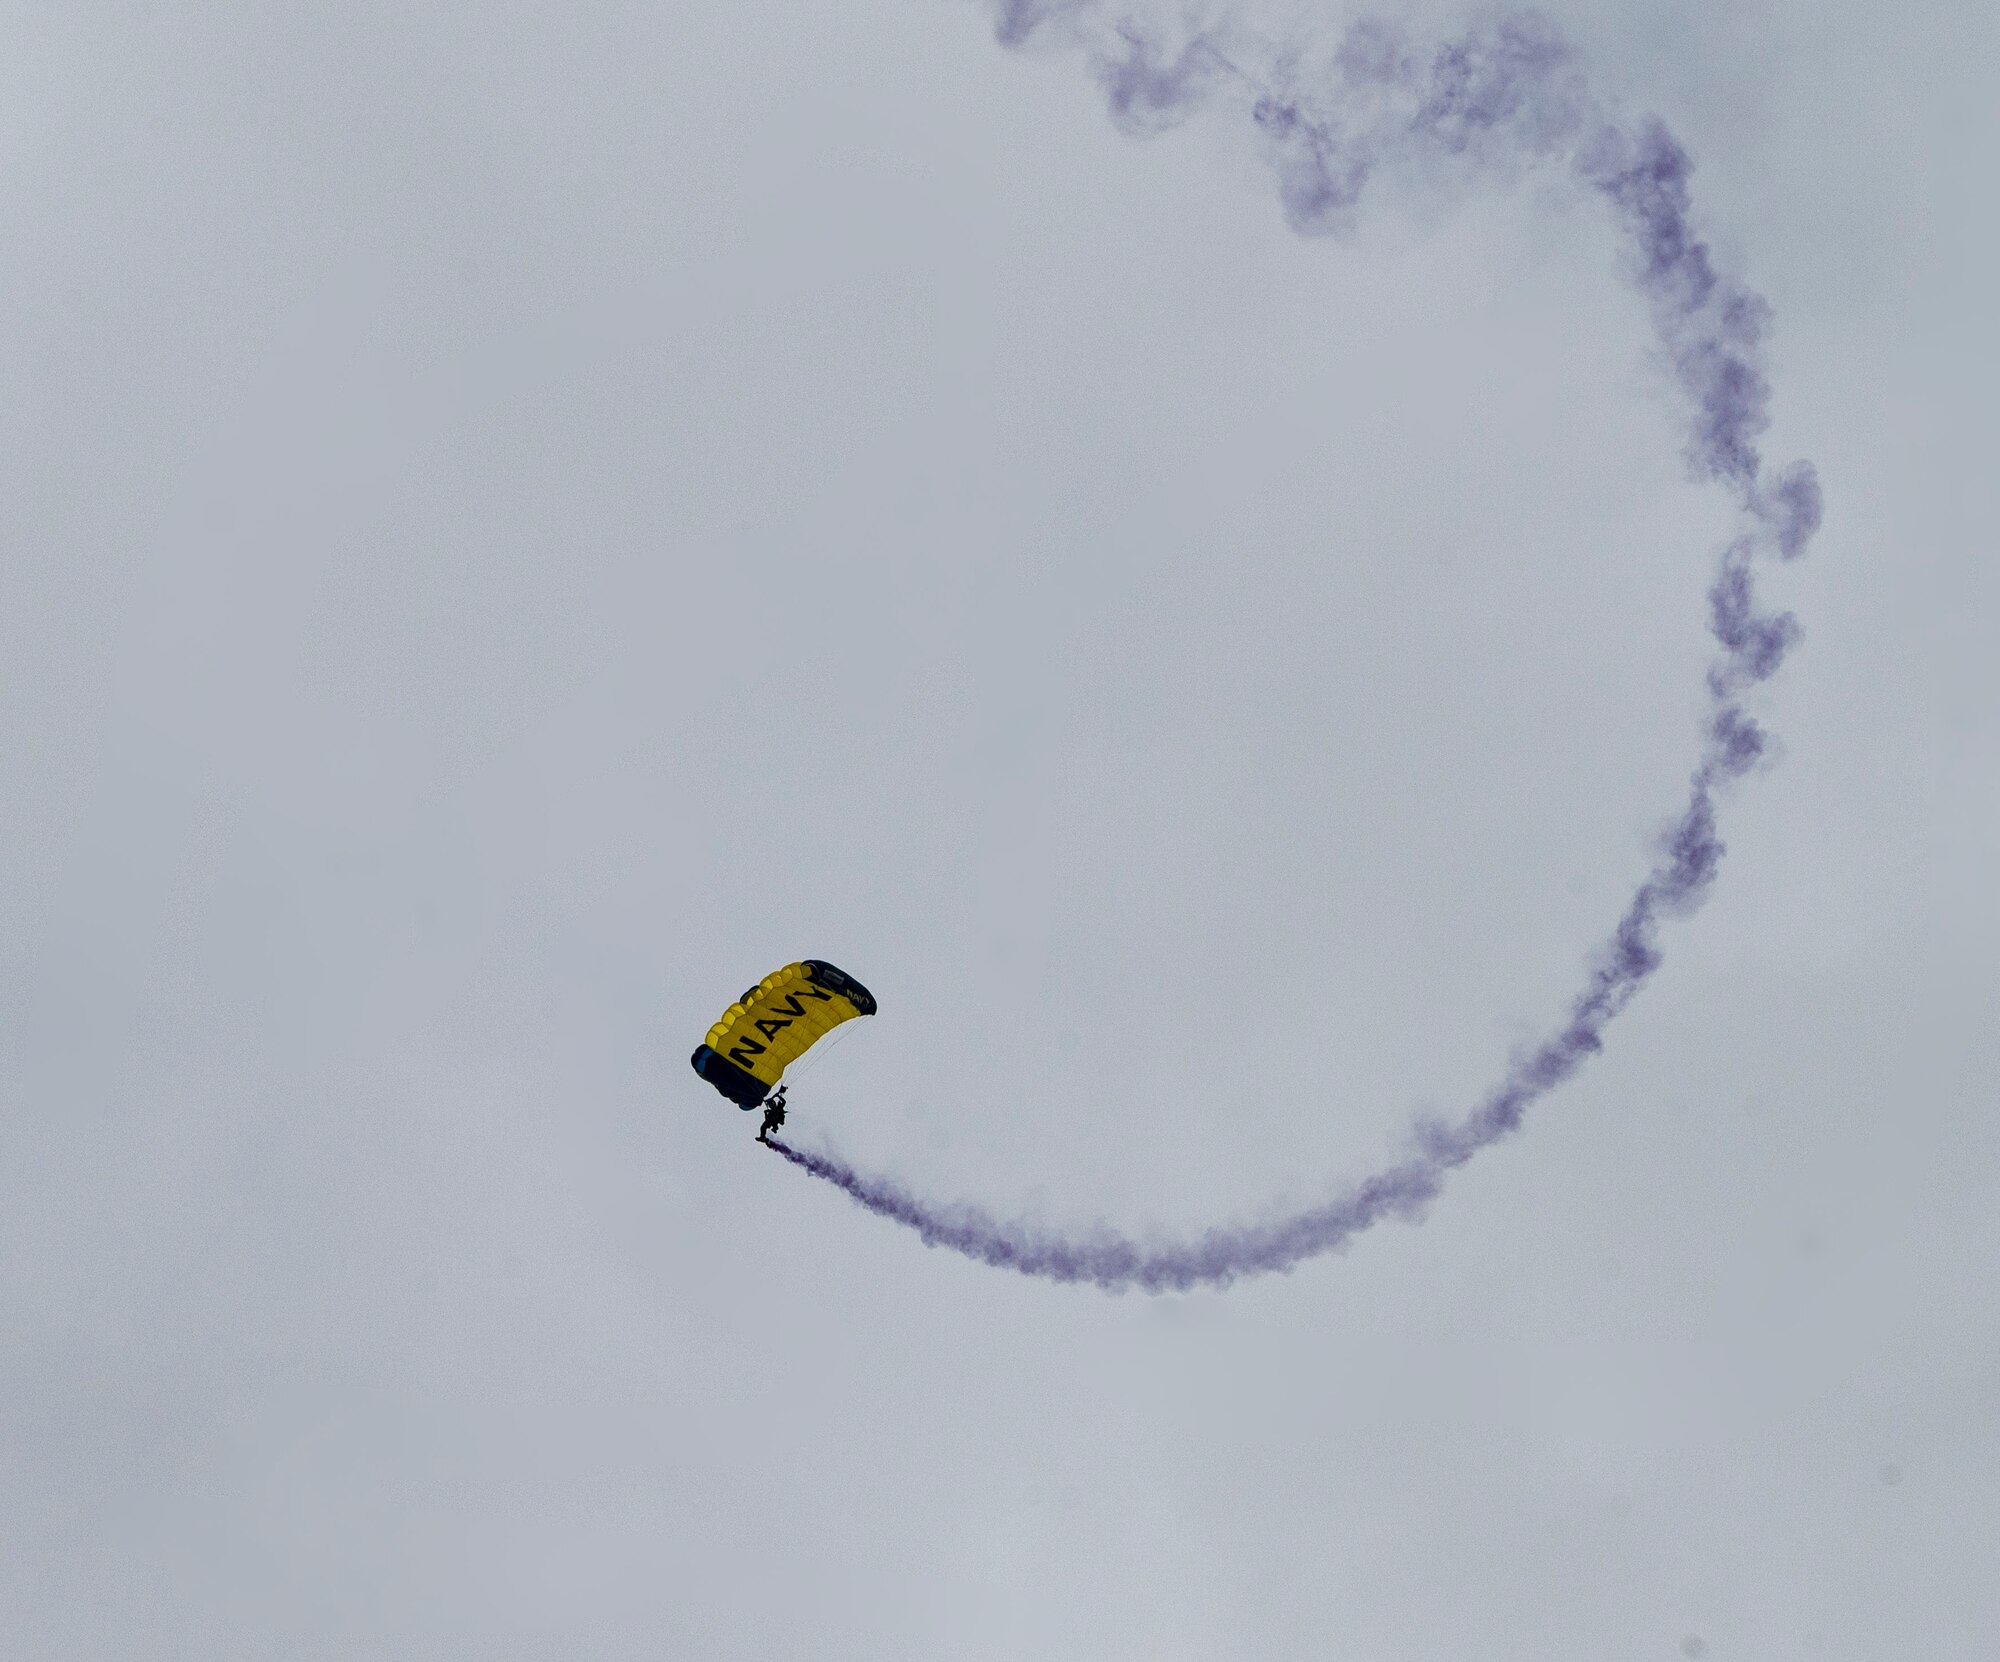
{"x": 1507, "y": 93}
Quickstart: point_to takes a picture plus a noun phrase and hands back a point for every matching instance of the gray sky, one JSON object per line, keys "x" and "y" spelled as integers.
{"x": 521, "y": 520}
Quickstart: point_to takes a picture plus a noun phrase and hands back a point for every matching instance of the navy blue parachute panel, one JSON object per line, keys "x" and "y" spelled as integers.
{"x": 744, "y": 1089}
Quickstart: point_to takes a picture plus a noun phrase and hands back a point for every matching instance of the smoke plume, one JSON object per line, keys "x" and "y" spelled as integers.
{"x": 1507, "y": 95}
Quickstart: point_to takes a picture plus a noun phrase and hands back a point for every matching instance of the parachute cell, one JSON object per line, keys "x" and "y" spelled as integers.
{"x": 775, "y": 1023}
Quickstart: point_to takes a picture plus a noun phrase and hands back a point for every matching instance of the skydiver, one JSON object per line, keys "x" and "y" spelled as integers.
{"x": 774, "y": 1115}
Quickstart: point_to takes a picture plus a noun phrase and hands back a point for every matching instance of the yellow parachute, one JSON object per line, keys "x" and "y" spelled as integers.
{"x": 775, "y": 1023}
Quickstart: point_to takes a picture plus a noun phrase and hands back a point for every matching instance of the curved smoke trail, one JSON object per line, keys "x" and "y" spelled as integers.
{"x": 1506, "y": 94}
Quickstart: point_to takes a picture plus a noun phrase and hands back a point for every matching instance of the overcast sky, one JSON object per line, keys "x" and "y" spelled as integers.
{"x": 519, "y": 520}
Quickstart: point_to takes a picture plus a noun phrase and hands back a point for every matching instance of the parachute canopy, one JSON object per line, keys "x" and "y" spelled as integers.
{"x": 775, "y": 1023}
